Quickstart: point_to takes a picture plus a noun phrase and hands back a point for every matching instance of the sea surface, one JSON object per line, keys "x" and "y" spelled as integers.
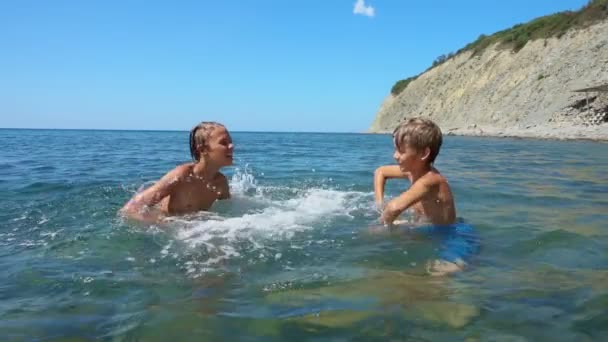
{"x": 297, "y": 253}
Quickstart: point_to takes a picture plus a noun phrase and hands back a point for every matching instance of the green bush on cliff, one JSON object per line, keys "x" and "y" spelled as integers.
{"x": 515, "y": 38}
{"x": 402, "y": 84}
{"x": 555, "y": 25}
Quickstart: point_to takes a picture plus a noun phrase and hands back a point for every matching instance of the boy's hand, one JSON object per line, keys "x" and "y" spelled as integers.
{"x": 397, "y": 205}
{"x": 381, "y": 219}
{"x": 385, "y": 218}
{"x": 144, "y": 214}
{"x": 380, "y": 206}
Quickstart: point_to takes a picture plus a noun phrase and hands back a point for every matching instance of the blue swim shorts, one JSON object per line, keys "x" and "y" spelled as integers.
{"x": 457, "y": 242}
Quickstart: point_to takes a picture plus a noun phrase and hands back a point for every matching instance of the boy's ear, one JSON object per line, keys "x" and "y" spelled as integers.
{"x": 201, "y": 148}
{"x": 426, "y": 153}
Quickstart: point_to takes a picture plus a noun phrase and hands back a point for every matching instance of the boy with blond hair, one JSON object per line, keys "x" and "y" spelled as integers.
{"x": 417, "y": 143}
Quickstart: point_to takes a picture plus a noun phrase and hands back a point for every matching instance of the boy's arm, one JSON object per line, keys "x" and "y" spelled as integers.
{"x": 396, "y": 206}
{"x": 140, "y": 207}
{"x": 381, "y": 175}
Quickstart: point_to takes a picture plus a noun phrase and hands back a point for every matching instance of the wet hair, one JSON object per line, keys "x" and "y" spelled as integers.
{"x": 419, "y": 133}
{"x": 199, "y": 135}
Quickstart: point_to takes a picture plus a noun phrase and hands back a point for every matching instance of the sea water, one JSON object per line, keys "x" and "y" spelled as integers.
{"x": 298, "y": 252}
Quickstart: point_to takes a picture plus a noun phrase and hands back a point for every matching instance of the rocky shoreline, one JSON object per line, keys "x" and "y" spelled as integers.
{"x": 553, "y": 132}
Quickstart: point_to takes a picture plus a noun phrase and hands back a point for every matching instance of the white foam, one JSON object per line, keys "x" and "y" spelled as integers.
{"x": 280, "y": 220}
{"x": 43, "y": 220}
{"x": 52, "y": 235}
{"x": 242, "y": 181}
{"x": 257, "y": 215}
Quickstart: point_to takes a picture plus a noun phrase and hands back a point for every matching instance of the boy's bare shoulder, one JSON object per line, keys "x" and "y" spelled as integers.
{"x": 434, "y": 178}
{"x": 221, "y": 182}
{"x": 219, "y": 177}
{"x": 181, "y": 171}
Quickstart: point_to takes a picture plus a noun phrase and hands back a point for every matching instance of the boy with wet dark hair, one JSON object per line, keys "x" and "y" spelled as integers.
{"x": 190, "y": 187}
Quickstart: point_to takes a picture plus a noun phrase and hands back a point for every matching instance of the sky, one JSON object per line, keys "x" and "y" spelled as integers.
{"x": 265, "y": 65}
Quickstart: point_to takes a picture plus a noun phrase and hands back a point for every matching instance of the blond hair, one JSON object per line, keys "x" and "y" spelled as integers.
{"x": 419, "y": 133}
{"x": 199, "y": 135}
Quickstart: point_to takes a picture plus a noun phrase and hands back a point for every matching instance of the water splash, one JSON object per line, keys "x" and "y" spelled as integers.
{"x": 242, "y": 180}
{"x": 255, "y": 217}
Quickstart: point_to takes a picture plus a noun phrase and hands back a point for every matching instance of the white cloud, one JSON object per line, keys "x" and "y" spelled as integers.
{"x": 361, "y": 8}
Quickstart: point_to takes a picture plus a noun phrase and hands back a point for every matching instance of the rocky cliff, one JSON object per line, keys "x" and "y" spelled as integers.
{"x": 500, "y": 88}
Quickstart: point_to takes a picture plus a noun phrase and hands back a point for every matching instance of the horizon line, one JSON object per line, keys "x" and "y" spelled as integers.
{"x": 168, "y": 130}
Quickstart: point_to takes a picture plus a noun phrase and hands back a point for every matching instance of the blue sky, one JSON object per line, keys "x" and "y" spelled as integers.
{"x": 265, "y": 65}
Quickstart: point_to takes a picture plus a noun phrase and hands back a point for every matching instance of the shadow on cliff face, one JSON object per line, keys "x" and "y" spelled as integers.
{"x": 586, "y": 111}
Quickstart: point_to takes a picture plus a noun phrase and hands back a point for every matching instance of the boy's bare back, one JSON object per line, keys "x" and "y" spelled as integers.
{"x": 438, "y": 204}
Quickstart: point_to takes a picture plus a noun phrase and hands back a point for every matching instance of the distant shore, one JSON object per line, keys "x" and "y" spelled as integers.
{"x": 570, "y": 132}
{"x": 556, "y": 132}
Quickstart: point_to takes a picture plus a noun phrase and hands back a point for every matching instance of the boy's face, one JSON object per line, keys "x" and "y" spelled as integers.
{"x": 407, "y": 157}
{"x": 220, "y": 147}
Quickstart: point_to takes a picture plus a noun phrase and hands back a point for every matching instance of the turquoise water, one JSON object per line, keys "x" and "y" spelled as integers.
{"x": 297, "y": 253}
